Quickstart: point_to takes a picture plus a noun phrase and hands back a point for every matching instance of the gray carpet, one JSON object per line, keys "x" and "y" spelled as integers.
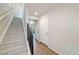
{"x": 13, "y": 42}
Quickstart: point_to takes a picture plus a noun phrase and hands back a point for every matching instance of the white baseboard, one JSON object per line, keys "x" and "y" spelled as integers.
{"x": 43, "y": 42}
{"x": 55, "y": 50}
{"x": 51, "y": 48}
{"x": 2, "y": 36}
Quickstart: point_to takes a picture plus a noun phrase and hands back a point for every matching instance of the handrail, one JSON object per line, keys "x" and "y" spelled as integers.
{"x": 4, "y": 14}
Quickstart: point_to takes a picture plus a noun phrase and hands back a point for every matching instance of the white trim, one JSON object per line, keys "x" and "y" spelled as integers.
{"x": 42, "y": 41}
{"x": 27, "y": 44}
{"x": 24, "y": 17}
{"x": 3, "y": 34}
{"x": 51, "y": 48}
{"x": 33, "y": 18}
{"x": 55, "y": 50}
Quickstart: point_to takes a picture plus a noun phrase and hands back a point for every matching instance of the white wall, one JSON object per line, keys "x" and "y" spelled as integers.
{"x": 37, "y": 30}
{"x": 43, "y": 29}
{"x": 18, "y": 10}
{"x": 4, "y": 7}
{"x": 5, "y": 19}
{"x": 64, "y": 29}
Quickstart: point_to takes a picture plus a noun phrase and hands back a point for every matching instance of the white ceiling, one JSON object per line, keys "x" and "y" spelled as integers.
{"x": 41, "y": 8}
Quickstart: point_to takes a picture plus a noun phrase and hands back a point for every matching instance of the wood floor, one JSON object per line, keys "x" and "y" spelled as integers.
{"x": 42, "y": 49}
{"x": 13, "y": 42}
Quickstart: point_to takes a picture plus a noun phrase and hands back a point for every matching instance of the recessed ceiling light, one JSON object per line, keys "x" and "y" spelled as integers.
{"x": 36, "y": 13}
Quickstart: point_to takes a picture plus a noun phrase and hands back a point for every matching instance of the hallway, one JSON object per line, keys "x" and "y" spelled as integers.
{"x": 13, "y": 42}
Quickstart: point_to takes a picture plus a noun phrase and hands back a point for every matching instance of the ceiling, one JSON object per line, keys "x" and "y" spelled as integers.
{"x": 40, "y": 8}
